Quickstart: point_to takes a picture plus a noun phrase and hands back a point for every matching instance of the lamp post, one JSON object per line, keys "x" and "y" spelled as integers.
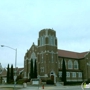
{"x": 15, "y": 62}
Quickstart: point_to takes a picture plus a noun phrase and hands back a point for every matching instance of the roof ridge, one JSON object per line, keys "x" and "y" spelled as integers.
{"x": 72, "y": 51}
{"x": 67, "y": 50}
{"x": 70, "y": 54}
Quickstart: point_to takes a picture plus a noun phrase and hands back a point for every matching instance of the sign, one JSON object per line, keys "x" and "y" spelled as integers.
{"x": 15, "y": 77}
{"x": 35, "y": 82}
{"x": 84, "y": 85}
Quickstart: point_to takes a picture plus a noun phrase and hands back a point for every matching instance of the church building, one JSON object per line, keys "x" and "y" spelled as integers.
{"x": 49, "y": 60}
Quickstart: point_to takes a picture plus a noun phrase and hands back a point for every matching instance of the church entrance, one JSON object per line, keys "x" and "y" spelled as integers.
{"x": 52, "y": 78}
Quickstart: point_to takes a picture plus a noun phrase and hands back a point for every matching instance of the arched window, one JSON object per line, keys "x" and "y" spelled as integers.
{"x": 70, "y": 65}
{"x": 42, "y": 40}
{"x": 62, "y": 62}
{"x": 75, "y": 64}
{"x": 42, "y": 69}
{"x": 50, "y": 40}
{"x": 53, "y": 40}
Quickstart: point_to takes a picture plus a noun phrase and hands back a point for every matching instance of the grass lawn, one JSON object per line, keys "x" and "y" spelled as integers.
{"x": 8, "y": 88}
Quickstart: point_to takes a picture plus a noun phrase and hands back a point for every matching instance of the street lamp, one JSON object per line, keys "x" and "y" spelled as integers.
{"x": 15, "y": 61}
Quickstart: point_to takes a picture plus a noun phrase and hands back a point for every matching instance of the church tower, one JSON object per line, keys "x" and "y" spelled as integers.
{"x": 47, "y": 55}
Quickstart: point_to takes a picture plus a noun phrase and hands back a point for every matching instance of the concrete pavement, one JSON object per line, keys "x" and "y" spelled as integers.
{"x": 52, "y": 88}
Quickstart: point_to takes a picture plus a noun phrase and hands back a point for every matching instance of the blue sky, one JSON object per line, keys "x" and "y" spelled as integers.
{"x": 21, "y": 20}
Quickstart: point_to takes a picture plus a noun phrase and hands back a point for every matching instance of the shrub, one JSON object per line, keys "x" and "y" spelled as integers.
{"x": 73, "y": 83}
{"x": 20, "y": 81}
{"x": 11, "y": 82}
{"x": 88, "y": 81}
{"x": 43, "y": 80}
{"x": 26, "y": 80}
{"x": 49, "y": 82}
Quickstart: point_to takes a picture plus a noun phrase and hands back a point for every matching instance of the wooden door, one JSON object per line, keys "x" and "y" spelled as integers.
{"x": 52, "y": 78}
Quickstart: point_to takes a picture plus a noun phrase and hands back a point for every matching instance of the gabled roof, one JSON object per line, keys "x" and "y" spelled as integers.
{"x": 70, "y": 54}
{"x": 4, "y": 72}
{"x": 81, "y": 55}
{"x": 20, "y": 70}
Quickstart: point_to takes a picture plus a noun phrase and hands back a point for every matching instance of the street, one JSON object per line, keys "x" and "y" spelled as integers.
{"x": 46, "y": 87}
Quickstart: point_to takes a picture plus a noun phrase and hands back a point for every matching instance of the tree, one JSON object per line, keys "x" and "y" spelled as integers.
{"x": 31, "y": 70}
{"x": 64, "y": 72}
{"x": 11, "y": 75}
{"x": 8, "y": 75}
{"x": 35, "y": 70}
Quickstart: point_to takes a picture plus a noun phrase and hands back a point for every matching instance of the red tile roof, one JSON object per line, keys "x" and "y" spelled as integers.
{"x": 82, "y": 55}
{"x": 70, "y": 54}
{"x": 19, "y": 69}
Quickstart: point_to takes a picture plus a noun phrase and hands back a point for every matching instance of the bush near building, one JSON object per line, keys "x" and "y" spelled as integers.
{"x": 49, "y": 82}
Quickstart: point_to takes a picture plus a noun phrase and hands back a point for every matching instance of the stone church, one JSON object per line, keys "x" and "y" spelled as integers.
{"x": 49, "y": 60}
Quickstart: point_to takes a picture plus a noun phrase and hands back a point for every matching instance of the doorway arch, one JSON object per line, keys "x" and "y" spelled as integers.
{"x": 53, "y": 76}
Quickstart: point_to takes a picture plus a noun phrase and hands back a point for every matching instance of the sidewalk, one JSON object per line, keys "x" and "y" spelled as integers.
{"x": 36, "y": 88}
{"x": 28, "y": 87}
{"x": 46, "y": 87}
